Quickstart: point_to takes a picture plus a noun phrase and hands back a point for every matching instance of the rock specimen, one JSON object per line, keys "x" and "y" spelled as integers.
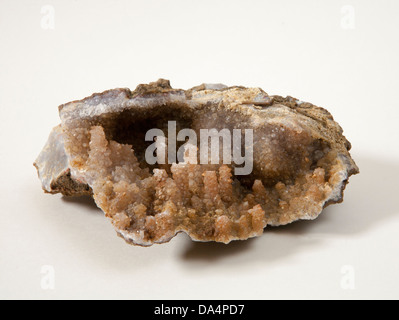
{"x": 301, "y": 162}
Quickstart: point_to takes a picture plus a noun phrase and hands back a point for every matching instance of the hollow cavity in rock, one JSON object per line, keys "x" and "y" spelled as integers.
{"x": 301, "y": 162}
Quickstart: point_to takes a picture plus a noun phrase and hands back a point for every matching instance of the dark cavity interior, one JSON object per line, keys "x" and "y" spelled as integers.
{"x": 279, "y": 159}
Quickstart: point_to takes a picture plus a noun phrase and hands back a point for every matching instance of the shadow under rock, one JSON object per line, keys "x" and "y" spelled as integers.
{"x": 84, "y": 201}
{"x": 213, "y": 251}
{"x": 370, "y": 198}
{"x": 272, "y": 246}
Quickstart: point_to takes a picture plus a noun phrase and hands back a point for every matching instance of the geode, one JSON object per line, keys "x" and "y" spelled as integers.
{"x": 301, "y": 162}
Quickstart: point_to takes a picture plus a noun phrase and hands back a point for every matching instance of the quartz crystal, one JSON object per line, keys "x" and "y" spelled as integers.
{"x": 301, "y": 162}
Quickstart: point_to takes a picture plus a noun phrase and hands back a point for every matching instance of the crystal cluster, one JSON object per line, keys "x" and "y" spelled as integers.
{"x": 301, "y": 162}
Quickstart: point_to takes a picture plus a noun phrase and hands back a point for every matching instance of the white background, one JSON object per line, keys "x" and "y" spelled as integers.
{"x": 298, "y": 48}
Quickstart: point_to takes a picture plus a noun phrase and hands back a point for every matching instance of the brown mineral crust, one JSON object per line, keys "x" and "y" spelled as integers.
{"x": 69, "y": 187}
{"x": 301, "y": 162}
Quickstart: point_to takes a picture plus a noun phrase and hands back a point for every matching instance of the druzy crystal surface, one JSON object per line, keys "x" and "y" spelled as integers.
{"x": 301, "y": 162}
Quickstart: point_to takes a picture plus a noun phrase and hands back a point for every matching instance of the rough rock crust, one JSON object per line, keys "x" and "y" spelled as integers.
{"x": 301, "y": 162}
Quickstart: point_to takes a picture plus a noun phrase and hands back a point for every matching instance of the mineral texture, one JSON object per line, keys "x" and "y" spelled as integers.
{"x": 301, "y": 162}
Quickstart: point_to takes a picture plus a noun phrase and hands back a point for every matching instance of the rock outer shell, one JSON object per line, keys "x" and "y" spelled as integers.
{"x": 60, "y": 172}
